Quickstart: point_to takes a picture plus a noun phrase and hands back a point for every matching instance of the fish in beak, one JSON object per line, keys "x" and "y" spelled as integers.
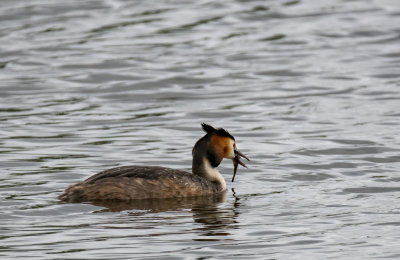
{"x": 236, "y": 161}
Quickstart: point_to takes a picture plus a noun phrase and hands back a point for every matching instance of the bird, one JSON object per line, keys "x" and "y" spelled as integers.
{"x": 129, "y": 183}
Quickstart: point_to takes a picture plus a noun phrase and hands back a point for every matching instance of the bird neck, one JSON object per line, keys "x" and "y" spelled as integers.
{"x": 205, "y": 162}
{"x": 202, "y": 167}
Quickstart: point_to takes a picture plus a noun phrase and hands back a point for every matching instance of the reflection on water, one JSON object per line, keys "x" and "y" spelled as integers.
{"x": 310, "y": 90}
{"x": 158, "y": 205}
{"x": 216, "y": 219}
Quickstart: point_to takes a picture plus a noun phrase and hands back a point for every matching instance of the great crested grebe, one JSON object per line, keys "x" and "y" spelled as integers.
{"x": 152, "y": 182}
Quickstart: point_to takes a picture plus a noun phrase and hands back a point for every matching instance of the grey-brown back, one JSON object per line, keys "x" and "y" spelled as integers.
{"x": 139, "y": 182}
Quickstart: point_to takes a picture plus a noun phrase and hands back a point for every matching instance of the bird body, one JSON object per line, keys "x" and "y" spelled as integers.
{"x": 128, "y": 183}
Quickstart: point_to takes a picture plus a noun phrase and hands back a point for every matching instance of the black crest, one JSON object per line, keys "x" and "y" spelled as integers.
{"x": 219, "y": 131}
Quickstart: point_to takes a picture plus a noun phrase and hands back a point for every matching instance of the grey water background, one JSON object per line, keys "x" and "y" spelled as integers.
{"x": 310, "y": 90}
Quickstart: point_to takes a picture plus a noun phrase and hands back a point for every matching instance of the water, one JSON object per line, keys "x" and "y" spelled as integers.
{"x": 310, "y": 90}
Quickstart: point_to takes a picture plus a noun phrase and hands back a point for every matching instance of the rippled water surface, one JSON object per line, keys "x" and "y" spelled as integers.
{"x": 310, "y": 90}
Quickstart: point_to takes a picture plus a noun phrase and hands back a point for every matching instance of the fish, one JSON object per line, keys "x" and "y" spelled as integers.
{"x": 236, "y": 161}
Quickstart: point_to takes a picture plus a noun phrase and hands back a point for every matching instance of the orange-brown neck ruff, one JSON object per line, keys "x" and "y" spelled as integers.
{"x": 223, "y": 146}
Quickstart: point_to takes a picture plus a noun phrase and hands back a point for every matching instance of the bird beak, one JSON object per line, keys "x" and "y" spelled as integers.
{"x": 236, "y": 161}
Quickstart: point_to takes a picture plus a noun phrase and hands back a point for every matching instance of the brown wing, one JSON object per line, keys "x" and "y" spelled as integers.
{"x": 135, "y": 171}
{"x": 138, "y": 182}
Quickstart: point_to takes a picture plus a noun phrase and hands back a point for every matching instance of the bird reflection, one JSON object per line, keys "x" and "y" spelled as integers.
{"x": 217, "y": 220}
{"x": 161, "y": 205}
{"x": 216, "y": 215}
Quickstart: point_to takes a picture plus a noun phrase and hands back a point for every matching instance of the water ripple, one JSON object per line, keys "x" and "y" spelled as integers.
{"x": 309, "y": 89}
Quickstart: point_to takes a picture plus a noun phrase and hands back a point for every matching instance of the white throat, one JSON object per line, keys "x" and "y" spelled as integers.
{"x": 213, "y": 174}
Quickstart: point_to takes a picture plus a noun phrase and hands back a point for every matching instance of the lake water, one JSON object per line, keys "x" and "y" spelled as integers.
{"x": 310, "y": 90}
